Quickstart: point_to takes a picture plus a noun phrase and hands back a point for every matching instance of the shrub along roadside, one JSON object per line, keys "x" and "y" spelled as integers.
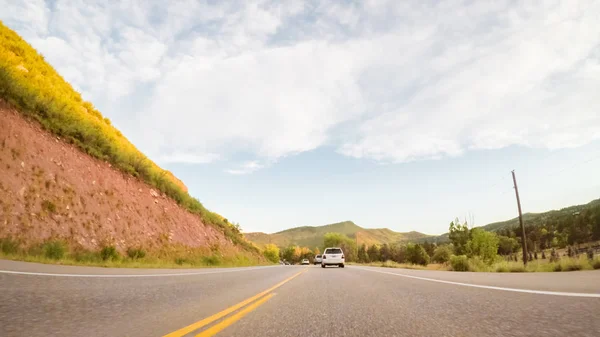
{"x": 59, "y": 252}
{"x": 136, "y": 253}
{"x": 393, "y": 264}
{"x": 29, "y": 83}
{"x": 109, "y": 253}
{"x": 461, "y": 263}
{"x": 54, "y": 250}
{"x": 9, "y": 246}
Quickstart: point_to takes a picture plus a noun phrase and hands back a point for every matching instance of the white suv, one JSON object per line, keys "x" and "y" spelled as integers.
{"x": 333, "y": 256}
{"x": 318, "y": 259}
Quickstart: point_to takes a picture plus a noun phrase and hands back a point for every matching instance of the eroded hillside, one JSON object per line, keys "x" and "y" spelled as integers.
{"x": 68, "y": 175}
{"x": 49, "y": 188}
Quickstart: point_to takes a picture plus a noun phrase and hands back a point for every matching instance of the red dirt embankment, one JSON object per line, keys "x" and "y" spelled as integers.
{"x": 49, "y": 188}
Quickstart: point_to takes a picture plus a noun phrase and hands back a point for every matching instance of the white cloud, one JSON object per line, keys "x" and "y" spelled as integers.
{"x": 404, "y": 80}
{"x": 245, "y": 168}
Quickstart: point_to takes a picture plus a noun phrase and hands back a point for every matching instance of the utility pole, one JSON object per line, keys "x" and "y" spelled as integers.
{"x": 520, "y": 220}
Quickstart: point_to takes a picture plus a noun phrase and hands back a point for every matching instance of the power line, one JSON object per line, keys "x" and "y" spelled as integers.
{"x": 570, "y": 167}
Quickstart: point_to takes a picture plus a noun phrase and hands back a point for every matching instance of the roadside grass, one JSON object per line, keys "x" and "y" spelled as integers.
{"x": 564, "y": 264}
{"x": 392, "y": 264}
{"x": 477, "y": 265}
{"x": 176, "y": 257}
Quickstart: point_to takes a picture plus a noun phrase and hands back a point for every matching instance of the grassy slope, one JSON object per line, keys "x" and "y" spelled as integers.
{"x": 309, "y": 236}
{"x": 28, "y": 82}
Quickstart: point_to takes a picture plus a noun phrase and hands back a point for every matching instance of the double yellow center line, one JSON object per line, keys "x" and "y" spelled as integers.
{"x": 232, "y": 319}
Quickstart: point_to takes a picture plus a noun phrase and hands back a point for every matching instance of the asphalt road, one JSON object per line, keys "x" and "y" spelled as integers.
{"x": 296, "y": 301}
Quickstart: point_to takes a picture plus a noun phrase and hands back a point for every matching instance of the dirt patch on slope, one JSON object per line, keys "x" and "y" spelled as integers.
{"x": 49, "y": 188}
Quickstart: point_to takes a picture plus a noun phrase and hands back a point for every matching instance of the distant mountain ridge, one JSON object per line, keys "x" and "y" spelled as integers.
{"x": 312, "y": 236}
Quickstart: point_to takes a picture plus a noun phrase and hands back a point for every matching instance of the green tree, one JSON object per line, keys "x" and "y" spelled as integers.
{"x": 306, "y": 253}
{"x": 291, "y": 254}
{"x": 333, "y": 239}
{"x": 416, "y": 254}
{"x": 507, "y": 246}
{"x": 385, "y": 253}
{"x": 398, "y": 253}
{"x": 373, "y": 253}
{"x": 429, "y": 247}
{"x": 483, "y": 244}
{"x": 459, "y": 235}
{"x": 345, "y": 243}
{"x": 362, "y": 254}
{"x": 271, "y": 252}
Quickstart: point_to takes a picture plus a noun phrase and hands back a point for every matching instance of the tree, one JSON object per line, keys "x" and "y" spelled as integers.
{"x": 507, "y": 246}
{"x": 345, "y": 243}
{"x": 416, "y": 254}
{"x": 362, "y": 254}
{"x": 373, "y": 253}
{"x": 483, "y": 244}
{"x": 306, "y": 253}
{"x": 289, "y": 254}
{"x": 596, "y": 226}
{"x": 442, "y": 254}
{"x": 429, "y": 247}
{"x": 295, "y": 254}
{"x": 543, "y": 238}
{"x": 384, "y": 253}
{"x": 398, "y": 253}
{"x": 333, "y": 239}
{"x": 271, "y": 252}
{"x": 459, "y": 235}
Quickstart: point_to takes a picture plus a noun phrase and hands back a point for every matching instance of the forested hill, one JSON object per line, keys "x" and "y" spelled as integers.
{"x": 569, "y": 225}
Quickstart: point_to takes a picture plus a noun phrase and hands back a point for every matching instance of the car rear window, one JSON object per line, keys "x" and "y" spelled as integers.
{"x": 318, "y": 256}
{"x": 333, "y": 251}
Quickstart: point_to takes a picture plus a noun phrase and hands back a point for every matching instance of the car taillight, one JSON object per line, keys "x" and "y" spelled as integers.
{"x": 324, "y": 256}
{"x": 342, "y": 256}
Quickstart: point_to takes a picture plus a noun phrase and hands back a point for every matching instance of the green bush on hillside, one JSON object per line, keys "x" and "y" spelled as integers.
{"x": 109, "y": 253}
{"x": 48, "y": 206}
{"x": 28, "y": 82}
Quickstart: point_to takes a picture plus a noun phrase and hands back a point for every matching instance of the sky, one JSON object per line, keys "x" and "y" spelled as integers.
{"x": 398, "y": 114}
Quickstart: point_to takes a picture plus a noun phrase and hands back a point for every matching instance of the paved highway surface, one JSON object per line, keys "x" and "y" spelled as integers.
{"x": 295, "y": 301}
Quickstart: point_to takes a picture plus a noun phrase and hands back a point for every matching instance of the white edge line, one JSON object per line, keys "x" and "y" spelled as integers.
{"x": 541, "y": 292}
{"x": 129, "y": 275}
